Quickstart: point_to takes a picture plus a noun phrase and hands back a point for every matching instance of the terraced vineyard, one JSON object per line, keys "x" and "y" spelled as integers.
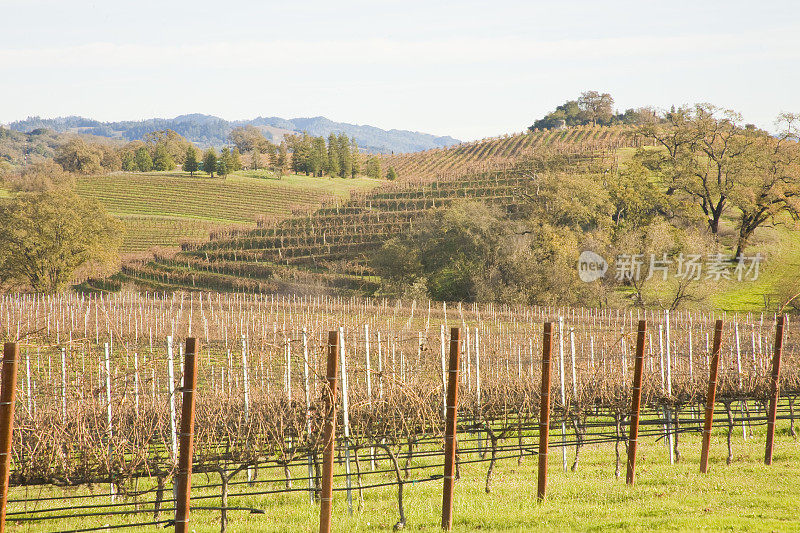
{"x": 328, "y": 248}
{"x": 147, "y": 232}
{"x": 163, "y": 209}
{"x": 486, "y": 154}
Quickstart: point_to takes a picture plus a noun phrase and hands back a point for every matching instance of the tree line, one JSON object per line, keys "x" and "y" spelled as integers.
{"x": 338, "y": 156}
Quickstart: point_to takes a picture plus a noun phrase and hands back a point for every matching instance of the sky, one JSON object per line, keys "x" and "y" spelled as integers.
{"x": 467, "y": 69}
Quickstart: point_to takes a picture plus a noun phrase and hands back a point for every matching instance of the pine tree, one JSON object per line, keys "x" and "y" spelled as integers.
{"x": 391, "y": 175}
{"x": 318, "y": 157}
{"x": 355, "y": 157}
{"x": 210, "y": 161}
{"x": 236, "y": 160}
{"x": 301, "y": 155}
{"x": 162, "y": 159}
{"x": 345, "y": 160}
{"x": 332, "y": 166}
{"x": 222, "y": 167}
{"x": 190, "y": 164}
{"x": 144, "y": 163}
{"x": 282, "y": 159}
{"x": 225, "y": 155}
{"x": 272, "y": 152}
{"x": 373, "y": 168}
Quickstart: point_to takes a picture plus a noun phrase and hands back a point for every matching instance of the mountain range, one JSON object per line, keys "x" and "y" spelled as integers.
{"x": 208, "y": 130}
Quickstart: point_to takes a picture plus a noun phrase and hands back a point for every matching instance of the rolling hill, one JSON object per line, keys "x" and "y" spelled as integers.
{"x": 328, "y": 248}
{"x": 162, "y": 209}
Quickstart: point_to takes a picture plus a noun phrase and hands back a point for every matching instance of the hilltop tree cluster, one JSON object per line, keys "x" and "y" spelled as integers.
{"x": 592, "y": 107}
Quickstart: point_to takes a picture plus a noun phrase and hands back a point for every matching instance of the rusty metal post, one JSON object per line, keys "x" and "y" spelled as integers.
{"x": 711, "y": 396}
{"x": 544, "y": 413}
{"x": 329, "y": 437}
{"x": 774, "y": 390}
{"x": 9, "y": 385}
{"x": 636, "y": 402}
{"x": 184, "y": 475}
{"x": 451, "y": 423}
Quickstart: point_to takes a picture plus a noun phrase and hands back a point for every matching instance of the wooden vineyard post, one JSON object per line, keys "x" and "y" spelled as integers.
{"x": 544, "y": 414}
{"x": 9, "y": 385}
{"x": 774, "y": 390}
{"x": 636, "y": 402}
{"x": 329, "y": 437}
{"x": 711, "y": 396}
{"x": 451, "y": 423}
{"x": 184, "y": 475}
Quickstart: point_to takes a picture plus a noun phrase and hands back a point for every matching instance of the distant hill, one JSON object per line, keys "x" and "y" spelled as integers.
{"x": 208, "y": 130}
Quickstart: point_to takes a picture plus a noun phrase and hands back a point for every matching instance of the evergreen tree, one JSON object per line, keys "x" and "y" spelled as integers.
{"x": 144, "y": 163}
{"x": 225, "y": 155}
{"x": 282, "y": 159}
{"x": 355, "y": 157}
{"x": 210, "y": 161}
{"x": 236, "y": 160}
{"x": 391, "y": 174}
{"x": 190, "y": 164}
{"x": 373, "y": 168}
{"x": 222, "y": 167}
{"x": 333, "y": 155}
{"x": 272, "y": 153}
{"x": 255, "y": 159}
{"x": 129, "y": 162}
{"x": 162, "y": 159}
{"x": 318, "y": 158}
{"x": 301, "y": 155}
{"x": 345, "y": 160}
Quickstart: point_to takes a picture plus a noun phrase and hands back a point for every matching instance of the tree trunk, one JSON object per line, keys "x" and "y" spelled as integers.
{"x": 730, "y": 431}
{"x": 358, "y": 479}
{"x": 580, "y": 430}
{"x": 159, "y": 497}
{"x": 223, "y": 515}
{"x": 493, "y": 438}
{"x": 409, "y": 456}
{"x": 402, "y": 522}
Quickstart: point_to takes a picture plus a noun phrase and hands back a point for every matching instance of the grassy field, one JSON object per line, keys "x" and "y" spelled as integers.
{"x": 743, "y": 496}
{"x": 162, "y": 208}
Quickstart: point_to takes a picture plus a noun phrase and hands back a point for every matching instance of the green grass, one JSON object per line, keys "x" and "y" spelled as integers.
{"x": 743, "y": 496}
{"x": 781, "y": 248}
{"x": 163, "y": 208}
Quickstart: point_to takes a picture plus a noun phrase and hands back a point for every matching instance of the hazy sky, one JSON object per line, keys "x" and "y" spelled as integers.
{"x": 467, "y": 69}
